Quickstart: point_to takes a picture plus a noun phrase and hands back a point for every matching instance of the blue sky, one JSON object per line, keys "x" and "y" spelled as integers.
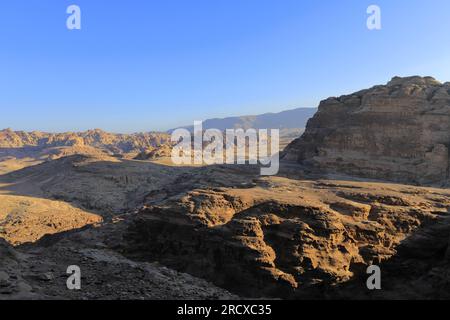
{"x": 141, "y": 65}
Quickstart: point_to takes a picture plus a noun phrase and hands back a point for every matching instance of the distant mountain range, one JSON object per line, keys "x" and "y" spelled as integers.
{"x": 290, "y": 119}
{"x": 42, "y": 145}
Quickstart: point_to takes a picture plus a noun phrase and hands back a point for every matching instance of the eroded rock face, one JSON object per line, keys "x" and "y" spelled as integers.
{"x": 398, "y": 132}
{"x": 287, "y": 238}
{"x": 12, "y": 284}
{"x": 39, "y": 271}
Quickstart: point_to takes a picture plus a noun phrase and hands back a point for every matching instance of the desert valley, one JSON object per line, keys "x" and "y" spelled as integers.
{"x": 366, "y": 183}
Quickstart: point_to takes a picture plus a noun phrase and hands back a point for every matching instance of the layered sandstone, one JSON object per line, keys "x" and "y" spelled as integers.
{"x": 398, "y": 132}
{"x": 298, "y": 239}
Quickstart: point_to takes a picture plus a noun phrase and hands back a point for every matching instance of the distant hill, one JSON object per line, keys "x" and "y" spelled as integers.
{"x": 42, "y": 145}
{"x": 290, "y": 119}
{"x": 34, "y": 147}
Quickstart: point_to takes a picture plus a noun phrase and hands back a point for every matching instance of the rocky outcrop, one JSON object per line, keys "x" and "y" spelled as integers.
{"x": 28, "y": 219}
{"x": 163, "y": 151}
{"x": 39, "y": 271}
{"x": 12, "y": 284}
{"x": 397, "y": 132}
{"x": 285, "y": 238}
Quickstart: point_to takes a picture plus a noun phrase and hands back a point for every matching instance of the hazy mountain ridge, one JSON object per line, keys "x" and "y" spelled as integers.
{"x": 289, "y": 119}
{"x": 43, "y": 145}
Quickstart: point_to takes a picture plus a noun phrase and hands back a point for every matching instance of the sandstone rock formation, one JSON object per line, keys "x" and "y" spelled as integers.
{"x": 164, "y": 151}
{"x": 284, "y": 237}
{"x": 397, "y": 132}
{"x": 39, "y": 271}
{"x": 287, "y": 238}
{"x": 56, "y": 145}
{"x": 290, "y": 236}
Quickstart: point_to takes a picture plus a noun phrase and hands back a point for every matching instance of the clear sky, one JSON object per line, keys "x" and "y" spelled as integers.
{"x": 140, "y": 65}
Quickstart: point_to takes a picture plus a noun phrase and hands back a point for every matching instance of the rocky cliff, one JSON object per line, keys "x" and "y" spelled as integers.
{"x": 398, "y": 132}
{"x": 302, "y": 239}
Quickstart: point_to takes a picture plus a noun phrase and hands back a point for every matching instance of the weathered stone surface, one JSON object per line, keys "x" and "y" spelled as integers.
{"x": 397, "y": 132}
{"x": 288, "y": 238}
{"x": 291, "y": 236}
{"x": 39, "y": 271}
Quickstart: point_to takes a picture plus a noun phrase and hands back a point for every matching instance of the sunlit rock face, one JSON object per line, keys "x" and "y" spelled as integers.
{"x": 287, "y": 238}
{"x": 398, "y": 132}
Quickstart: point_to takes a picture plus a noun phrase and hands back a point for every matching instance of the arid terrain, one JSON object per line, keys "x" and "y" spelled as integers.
{"x": 353, "y": 191}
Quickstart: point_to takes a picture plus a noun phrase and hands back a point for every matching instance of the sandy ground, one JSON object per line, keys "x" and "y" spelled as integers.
{"x": 27, "y": 219}
{"x": 16, "y": 164}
